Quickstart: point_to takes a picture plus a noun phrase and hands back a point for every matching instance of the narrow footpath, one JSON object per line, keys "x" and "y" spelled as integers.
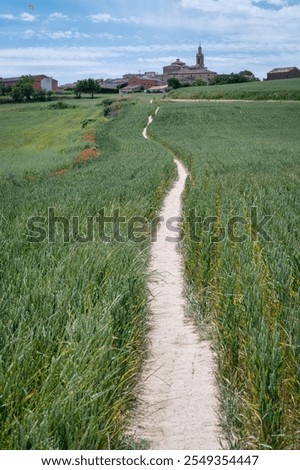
{"x": 177, "y": 400}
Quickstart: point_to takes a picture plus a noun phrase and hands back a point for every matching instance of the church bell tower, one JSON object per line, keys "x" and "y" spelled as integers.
{"x": 200, "y": 57}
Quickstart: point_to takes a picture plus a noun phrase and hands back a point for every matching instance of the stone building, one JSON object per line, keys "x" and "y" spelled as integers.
{"x": 145, "y": 82}
{"x": 283, "y": 72}
{"x": 188, "y": 73}
{"x": 40, "y": 82}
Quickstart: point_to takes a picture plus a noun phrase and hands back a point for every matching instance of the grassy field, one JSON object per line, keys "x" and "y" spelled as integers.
{"x": 244, "y": 162}
{"x": 268, "y": 90}
{"x": 38, "y": 137}
{"x": 73, "y": 304}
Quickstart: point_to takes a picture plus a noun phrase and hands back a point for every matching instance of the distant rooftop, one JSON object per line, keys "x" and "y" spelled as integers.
{"x": 282, "y": 69}
{"x": 16, "y": 79}
{"x": 11, "y": 79}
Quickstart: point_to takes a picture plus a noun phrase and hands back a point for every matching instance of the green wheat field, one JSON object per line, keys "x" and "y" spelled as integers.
{"x": 74, "y": 311}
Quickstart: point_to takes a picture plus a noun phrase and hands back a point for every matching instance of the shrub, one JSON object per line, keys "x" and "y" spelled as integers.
{"x": 61, "y": 105}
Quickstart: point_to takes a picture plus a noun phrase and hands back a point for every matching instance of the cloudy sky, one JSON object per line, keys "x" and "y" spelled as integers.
{"x": 75, "y": 39}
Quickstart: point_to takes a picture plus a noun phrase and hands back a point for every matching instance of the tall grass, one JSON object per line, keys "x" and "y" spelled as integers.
{"x": 282, "y": 90}
{"x": 242, "y": 156}
{"x": 74, "y": 315}
{"x": 36, "y": 137}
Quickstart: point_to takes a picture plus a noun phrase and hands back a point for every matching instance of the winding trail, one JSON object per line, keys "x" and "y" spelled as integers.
{"x": 177, "y": 404}
{"x": 145, "y": 134}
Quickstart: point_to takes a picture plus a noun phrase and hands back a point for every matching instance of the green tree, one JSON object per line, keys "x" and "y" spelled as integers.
{"x": 248, "y": 75}
{"x": 89, "y": 86}
{"x": 17, "y": 95}
{"x": 93, "y": 87}
{"x": 199, "y": 82}
{"x": 174, "y": 82}
{"x": 40, "y": 95}
{"x": 2, "y": 88}
{"x": 24, "y": 89}
{"x": 78, "y": 89}
{"x": 241, "y": 77}
{"x": 49, "y": 95}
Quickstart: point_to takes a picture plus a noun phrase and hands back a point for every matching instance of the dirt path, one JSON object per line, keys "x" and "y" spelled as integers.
{"x": 145, "y": 135}
{"x": 177, "y": 402}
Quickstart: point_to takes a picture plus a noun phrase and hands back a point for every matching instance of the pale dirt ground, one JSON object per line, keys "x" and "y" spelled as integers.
{"x": 177, "y": 399}
{"x": 150, "y": 119}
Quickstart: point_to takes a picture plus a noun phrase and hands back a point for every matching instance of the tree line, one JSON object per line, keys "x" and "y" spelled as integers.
{"x": 222, "y": 79}
{"x": 24, "y": 90}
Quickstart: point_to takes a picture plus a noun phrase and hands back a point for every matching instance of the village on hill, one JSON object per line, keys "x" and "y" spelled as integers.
{"x": 178, "y": 73}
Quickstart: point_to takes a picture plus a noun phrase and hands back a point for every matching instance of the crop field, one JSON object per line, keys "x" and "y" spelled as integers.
{"x": 74, "y": 301}
{"x": 241, "y": 254}
{"x": 73, "y": 297}
{"x": 269, "y": 90}
{"x": 42, "y": 137}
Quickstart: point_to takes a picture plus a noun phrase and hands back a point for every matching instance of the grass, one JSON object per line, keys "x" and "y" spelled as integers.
{"x": 288, "y": 89}
{"x": 74, "y": 306}
{"x": 243, "y": 156}
{"x": 73, "y": 309}
{"x": 39, "y": 138}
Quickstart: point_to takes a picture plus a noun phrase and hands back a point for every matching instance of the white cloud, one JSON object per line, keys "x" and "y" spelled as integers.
{"x": 248, "y": 10}
{"x": 57, "y": 16}
{"x": 243, "y": 21}
{"x": 156, "y": 61}
{"x": 7, "y": 16}
{"x": 108, "y": 18}
{"x": 60, "y": 34}
{"x": 218, "y": 17}
{"x": 102, "y": 17}
{"x": 56, "y": 55}
{"x": 28, "y": 34}
{"x": 236, "y": 34}
{"x": 71, "y": 34}
{"x": 257, "y": 8}
{"x": 43, "y": 33}
{"x": 272, "y": 2}
{"x": 27, "y": 17}
{"x": 67, "y": 64}
{"x": 109, "y": 36}
{"x": 46, "y": 53}
{"x": 218, "y": 6}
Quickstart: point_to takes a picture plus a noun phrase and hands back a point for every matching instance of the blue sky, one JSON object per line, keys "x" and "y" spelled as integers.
{"x": 71, "y": 40}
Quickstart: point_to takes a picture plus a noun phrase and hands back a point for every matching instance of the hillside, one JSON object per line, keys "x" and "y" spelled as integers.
{"x": 267, "y": 90}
